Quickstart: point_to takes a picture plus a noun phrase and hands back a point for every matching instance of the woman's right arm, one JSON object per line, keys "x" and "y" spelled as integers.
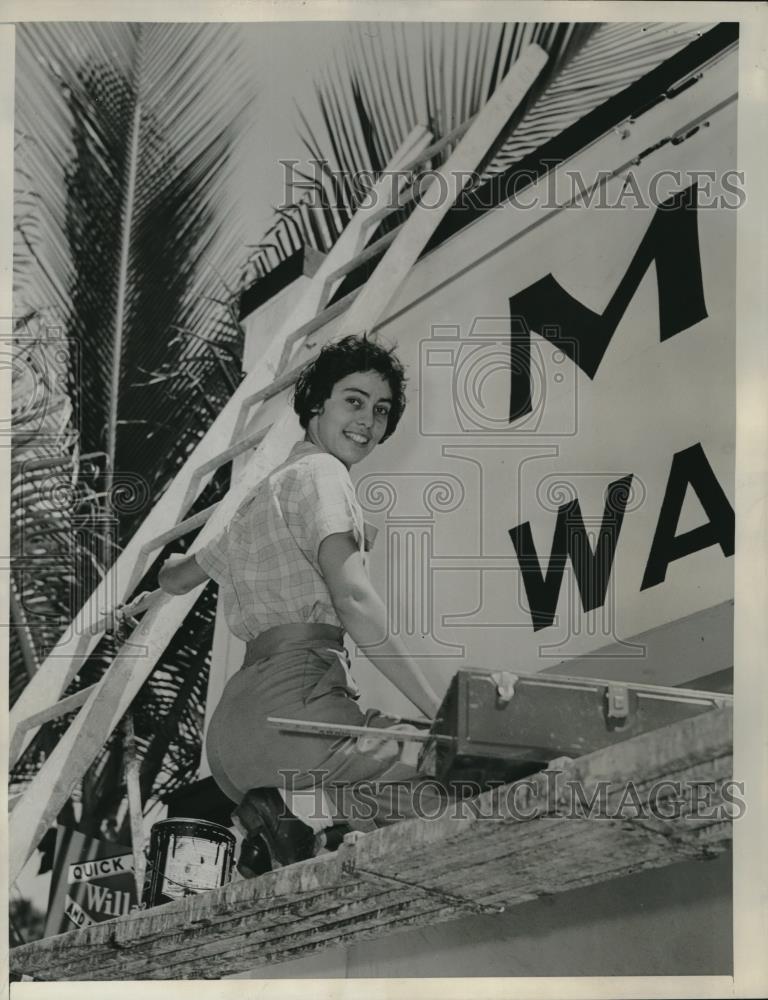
{"x": 178, "y": 575}
{"x": 363, "y": 615}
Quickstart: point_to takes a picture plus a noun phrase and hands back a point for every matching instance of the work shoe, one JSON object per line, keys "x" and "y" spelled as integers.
{"x": 332, "y": 837}
{"x": 273, "y": 836}
{"x": 255, "y": 858}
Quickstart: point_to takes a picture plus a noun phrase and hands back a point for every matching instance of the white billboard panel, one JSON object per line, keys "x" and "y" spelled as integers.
{"x": 604, "y": 508}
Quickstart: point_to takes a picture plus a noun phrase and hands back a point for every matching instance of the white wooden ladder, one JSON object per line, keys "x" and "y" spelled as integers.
{"x": 102, "y": 706}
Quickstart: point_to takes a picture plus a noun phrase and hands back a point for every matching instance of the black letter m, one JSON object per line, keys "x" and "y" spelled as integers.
{"x": 671, "y": 240}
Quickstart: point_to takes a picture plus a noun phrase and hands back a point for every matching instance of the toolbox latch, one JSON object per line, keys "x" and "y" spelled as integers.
{"x": 617, "y": 705}
{"x": 505, "y": 686}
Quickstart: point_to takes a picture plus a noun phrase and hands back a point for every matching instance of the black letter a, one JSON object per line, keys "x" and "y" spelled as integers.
{"x": 689, "y": 467}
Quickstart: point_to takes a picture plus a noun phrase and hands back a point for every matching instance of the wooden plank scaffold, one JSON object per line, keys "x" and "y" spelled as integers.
{"x": 533, "y": 838}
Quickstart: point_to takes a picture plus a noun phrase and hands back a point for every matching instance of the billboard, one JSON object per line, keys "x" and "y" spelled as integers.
{"x": 559, "y": 494}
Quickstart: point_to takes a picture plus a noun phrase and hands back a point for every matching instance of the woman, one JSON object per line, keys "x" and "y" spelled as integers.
{"x": 291, "y": 572}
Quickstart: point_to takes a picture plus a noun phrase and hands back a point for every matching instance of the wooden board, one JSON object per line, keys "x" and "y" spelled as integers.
{"x": 422, "y": 871}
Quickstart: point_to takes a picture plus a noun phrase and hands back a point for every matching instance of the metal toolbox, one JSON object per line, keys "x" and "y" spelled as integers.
{"x": 505, "y": 726}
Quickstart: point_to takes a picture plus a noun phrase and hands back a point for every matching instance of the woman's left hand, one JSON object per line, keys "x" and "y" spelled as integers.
{"x": 121, "y": 621}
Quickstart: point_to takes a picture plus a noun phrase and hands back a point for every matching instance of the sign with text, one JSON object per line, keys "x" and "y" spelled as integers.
{"x": 86, "y": 871}
{"x": 92, "y": 880}
{"x": 562, "y": 481}
{"x": 559, "y": 494}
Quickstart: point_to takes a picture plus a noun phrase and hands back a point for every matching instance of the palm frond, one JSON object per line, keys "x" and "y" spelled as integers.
{"x": 436, "y": 74}
{"x": 44, "y": 479}
{"x": 126, "y": 233}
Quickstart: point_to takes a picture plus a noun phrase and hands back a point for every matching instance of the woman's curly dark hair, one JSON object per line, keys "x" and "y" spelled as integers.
{"x": 355, "y": 353}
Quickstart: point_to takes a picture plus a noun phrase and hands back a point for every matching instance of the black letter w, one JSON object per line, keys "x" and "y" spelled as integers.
{"x": 592, "y": 569}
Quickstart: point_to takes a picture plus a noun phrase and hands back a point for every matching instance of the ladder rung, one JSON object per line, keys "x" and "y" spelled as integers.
{"x": 407, "y": 197}
{"x": 371, "y": 251}
{"x": 437, "y": 145}
{"x": 63, "y": 707}
{"x": 246, "y": 444}
{"x": 252, "y": 441}
{"x": 281, "y": 382}
{"x": 329, "y": 313}
{"x": 410, "y": 195}
{"x": 199, "y": 519}
{"x": 180, "y": 529}
{"x": 53, "y": 460}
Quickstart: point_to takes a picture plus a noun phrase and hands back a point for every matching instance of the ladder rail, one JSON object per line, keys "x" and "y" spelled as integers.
{"x": 314, "y": 313}
{"x": 410, "y": 195}
{"x": 113, "y": 695}
{"x": 327, "y": 313}
{"x": 78, "y": 747}
{"x": 459, "y": 166}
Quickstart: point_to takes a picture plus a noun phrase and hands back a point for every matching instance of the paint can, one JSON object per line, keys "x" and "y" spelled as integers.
{"x": 186, "y": 856}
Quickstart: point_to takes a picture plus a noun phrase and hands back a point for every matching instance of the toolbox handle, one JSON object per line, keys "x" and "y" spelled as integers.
{"x": 617, "y": 705}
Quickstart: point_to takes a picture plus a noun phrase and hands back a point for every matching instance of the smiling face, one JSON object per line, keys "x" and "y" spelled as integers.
{"x": 354, "y": 418}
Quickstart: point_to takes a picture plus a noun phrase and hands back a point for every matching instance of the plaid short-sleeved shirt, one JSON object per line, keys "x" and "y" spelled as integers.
{"x": 265, "y": 561}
